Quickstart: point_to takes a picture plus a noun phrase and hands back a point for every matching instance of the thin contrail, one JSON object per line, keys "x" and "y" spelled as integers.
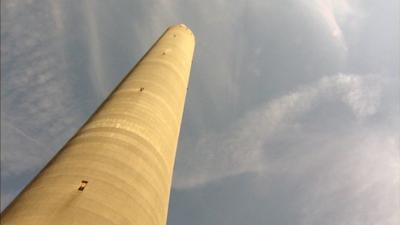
{"x": 24, "y": 134}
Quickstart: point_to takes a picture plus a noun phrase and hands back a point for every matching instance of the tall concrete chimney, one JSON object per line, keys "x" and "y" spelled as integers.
{"x": 118, "y": 167}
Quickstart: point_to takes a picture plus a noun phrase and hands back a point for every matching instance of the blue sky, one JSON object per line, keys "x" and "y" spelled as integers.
{"x": 292, "y": 114}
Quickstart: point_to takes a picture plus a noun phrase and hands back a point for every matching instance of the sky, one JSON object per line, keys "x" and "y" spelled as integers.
{"x": 292, "y": 114}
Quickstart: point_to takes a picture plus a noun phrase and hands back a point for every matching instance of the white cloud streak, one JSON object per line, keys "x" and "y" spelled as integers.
{"x": 37, "y": 97}
{"x": 19, "y": 131}
{"x": 18, "y": 155}
{"x": 335, "y": 13}
{"x": 239, "y": 148}
{"x": 343, "y": 178}
{"x": 95, "y": 74}
{"x": 372, "y": 160}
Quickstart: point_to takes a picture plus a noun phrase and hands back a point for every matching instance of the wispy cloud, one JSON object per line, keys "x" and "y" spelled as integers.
{"x": 235, "y": 42}
{"x": 335, "y": 13}
{"x": 19, "y": 131}
{"x": 37, "y": 100}
{"x": 239, "y": 148}
{"x": 341, "y": 174}
{"x": 96, "y": 74}
{"x": 18, "y": 151}
{"x": 36, "y": 91}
